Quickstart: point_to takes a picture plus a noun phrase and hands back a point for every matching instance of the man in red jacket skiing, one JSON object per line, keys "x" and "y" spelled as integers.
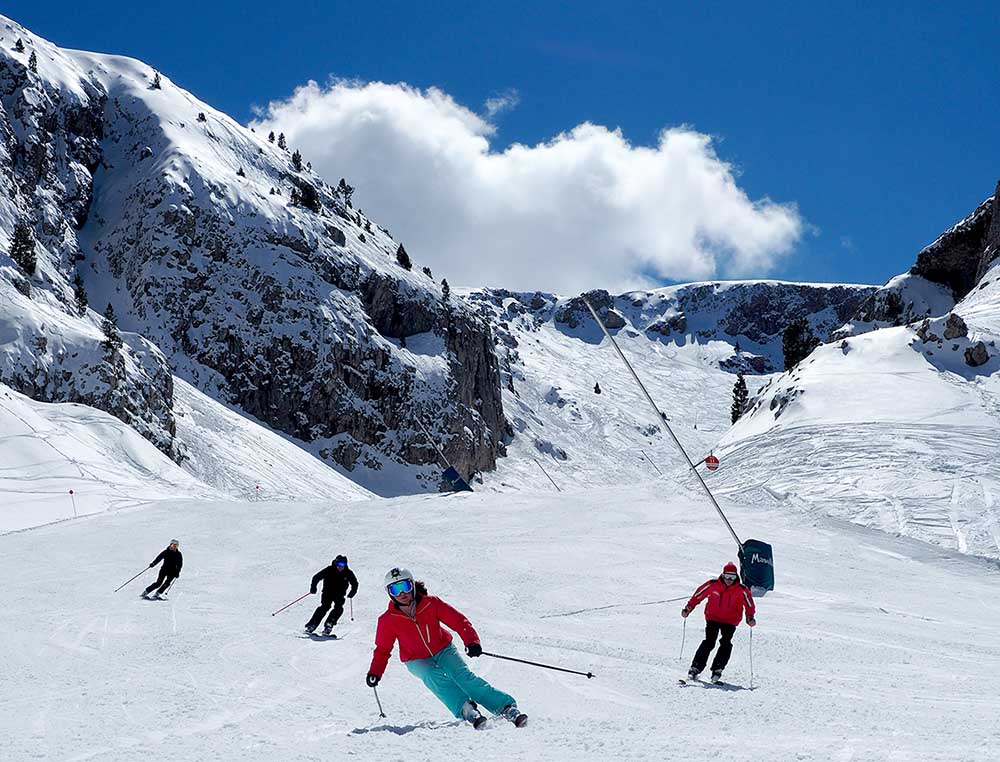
{"x": 414, "y": 619}
{"x": 727, "y": 598}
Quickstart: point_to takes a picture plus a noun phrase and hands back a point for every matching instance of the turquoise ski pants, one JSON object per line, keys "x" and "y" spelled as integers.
{"x": 449, "y": 678}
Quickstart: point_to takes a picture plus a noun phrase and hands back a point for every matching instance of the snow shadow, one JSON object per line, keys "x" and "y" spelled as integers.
{"x": 402, "y": 730}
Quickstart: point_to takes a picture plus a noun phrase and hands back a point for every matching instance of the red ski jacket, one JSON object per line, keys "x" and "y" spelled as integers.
{"x": 420, "y": 636}
{"x": 726, "y": 603}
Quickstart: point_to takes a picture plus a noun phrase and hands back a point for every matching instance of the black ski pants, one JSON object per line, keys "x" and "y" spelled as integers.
{"x": 162, "y": 582}
{"x": 712, "y": 631}
{"x": 324, "y": 606}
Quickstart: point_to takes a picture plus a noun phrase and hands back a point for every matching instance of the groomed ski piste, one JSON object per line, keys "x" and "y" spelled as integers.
{"x": 870, "y": 648}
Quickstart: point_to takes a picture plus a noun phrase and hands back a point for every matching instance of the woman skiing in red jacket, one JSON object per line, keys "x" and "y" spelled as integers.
{"x": 727, "y": 598}
{"x": 414, "y": 619}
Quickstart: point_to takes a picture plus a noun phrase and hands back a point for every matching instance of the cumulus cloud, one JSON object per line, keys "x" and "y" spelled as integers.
{"x": 585, "y": 209}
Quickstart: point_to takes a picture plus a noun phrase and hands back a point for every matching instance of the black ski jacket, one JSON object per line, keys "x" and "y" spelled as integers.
{"x": 172, "y": 561}
{"x": 335, "y": 581}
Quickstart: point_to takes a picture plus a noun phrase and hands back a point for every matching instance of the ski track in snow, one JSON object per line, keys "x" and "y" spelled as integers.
{"x": 871, "y": 648}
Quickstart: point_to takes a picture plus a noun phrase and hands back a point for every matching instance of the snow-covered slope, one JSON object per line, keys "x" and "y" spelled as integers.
{"x": 898, "y": 429}
{"x": 46, "y": 450}
{"x": 682, "y": 340}
{"x": 870, "y": 649}
{"x": 240, "y": 457}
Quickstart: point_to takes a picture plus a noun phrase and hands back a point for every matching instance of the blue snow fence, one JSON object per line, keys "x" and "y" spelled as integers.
{"x": 757, "y": 566}
{"x": 458, "y": 484}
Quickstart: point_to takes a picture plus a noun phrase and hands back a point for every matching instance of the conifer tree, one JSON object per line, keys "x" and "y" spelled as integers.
{"x": 80, "y": 295}
{"x": 297, "y": 161}
{"x": 22, "y": 247}
{"x": 797, "y": 341}
{"x": 282, "y": 143}
{"x": 445, "y": 290}
{"x": 19, "y": 45}
{"x": 270, "y": 136}
{"x": 345, "y": 190}
{"x": 112, "y": 339}
{"x": 740, "y": 398}
{"x": 156, "y": 81}
{"x": 403, "y": 259}
{"x": 33, "y": 62}
{"x": 428, "y": 273}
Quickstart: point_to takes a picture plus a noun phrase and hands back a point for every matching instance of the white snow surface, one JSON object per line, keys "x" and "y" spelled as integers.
{"x": 885, "y": 430}
{"x": 239, "y": 456}
{"x": 870, "y": 648}
{"x": 46, "y": 450}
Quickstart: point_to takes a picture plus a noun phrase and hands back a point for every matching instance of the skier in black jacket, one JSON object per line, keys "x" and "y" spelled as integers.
{"x": 336, "y": 577}
{"x": 171, "y": 569}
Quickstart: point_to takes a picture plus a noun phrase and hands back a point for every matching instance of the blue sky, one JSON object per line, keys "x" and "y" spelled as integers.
{"x": 877, "y": 119}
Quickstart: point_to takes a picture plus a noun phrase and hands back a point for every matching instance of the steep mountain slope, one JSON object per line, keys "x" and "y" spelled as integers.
{"x": 899, "y": 427}
{"x": 870, "y": 648}
{"x": 682, "y": 340}
{"x": 237, "y": 268}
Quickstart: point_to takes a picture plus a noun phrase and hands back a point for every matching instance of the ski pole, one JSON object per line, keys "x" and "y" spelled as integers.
{"x": 133, "y": 579}
{"x": 380, "y": 712}
{"x": 352, "y": 608}
{"x": 751, "y": 658}
{"x": 588, "y": 675}
{"x": 684, "y": 633}
{"x": 291, "y": 604}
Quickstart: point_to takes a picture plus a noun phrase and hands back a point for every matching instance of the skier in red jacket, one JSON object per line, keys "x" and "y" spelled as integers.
{"x": 414, "y": 619}
{"x": 728, "y": 598}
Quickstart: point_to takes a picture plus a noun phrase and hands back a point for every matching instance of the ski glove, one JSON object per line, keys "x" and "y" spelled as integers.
{"x": 372, "y": 680}
{"x": 751, "y": 621}
{"x": 474, "y": 649}
{"x": 685, "y": 611}
{"x": 351, "y": 595}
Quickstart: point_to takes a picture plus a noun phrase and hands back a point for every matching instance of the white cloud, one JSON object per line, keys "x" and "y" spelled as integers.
{"x": 586, "y": 209}
{"x": 505, "y": 101}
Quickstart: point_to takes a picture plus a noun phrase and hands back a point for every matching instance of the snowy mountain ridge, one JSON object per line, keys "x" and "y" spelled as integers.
{"x": 231, "y": 265}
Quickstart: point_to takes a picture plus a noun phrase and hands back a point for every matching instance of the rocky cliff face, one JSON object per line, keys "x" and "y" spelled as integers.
{"x": 231, "y": 264}
{"x": 748, "y": 315}
{"x": 945, "y": 272}
{"x": 50, "y": 346}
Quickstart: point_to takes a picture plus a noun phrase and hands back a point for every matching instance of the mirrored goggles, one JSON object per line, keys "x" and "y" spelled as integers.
{"x": 398, "y": 588}
{"x": 730, "y": 576}
{"x": 341, "y": 564}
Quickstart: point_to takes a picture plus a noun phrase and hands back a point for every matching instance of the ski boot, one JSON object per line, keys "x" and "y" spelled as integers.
{"x": 511, "y": 714}
{"x": 309, "y": 629}
{"x": 470, "y": 713}
{"x": 327, "y": 630}
{"x": 145, "y": 596}
{"x": 717, "y": 676}
{"x": 693, "y": 673}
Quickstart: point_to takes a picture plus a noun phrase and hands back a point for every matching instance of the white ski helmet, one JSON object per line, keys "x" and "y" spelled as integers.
{"x": 397, "y": 574}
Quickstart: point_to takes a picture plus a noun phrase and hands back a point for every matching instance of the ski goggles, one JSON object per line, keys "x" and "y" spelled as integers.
{"x": 398, "y": 588}
{"x": 730, "y": 576}
{"x": 341, "y": 564}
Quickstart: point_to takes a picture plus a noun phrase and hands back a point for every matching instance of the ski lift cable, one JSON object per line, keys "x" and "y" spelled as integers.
{"x": 661, "y": 420}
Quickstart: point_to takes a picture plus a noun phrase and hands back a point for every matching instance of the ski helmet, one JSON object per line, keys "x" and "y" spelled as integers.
{"x": 174, "y": 542}
{"x": 338, "y": 559}
{"x": 397, "y": 575}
